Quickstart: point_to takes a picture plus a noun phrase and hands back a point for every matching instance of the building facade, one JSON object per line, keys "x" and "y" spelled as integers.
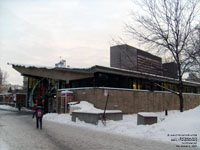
{"x": 131, "y": 58}
{"x": 130, "y": 69}
{"x": 170, "y": 70}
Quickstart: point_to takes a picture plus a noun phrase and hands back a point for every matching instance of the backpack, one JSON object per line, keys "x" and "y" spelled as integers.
{"x": 39, "y": 113}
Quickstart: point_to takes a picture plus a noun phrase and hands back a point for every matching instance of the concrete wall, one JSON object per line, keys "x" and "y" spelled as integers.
{"x": 94, "y": 118}
{"x": 133, "y": 101}
{"x": 124, "y": 57}
{"x": 131, "y": 58}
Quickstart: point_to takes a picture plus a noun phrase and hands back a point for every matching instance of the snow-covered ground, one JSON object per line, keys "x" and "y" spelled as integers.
{"x": 7, "y": 107}
{"x": 169, "y": 128}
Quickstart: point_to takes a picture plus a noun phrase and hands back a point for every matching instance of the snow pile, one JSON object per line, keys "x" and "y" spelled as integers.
{"x": 176, "y": 123}
{"x": 60, "y": 118}
{"x": 86, "y": 107}
{"x": 89, "y": 108}
{"x": 7, "y": 107}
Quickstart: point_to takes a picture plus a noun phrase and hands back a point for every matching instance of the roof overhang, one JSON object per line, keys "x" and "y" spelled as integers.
{"x": 82, "y": 73}
{"x": 142, "y": 75}
{"x": 66, "y": 74}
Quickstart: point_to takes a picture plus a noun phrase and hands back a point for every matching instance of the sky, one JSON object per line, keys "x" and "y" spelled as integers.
{"x": 42, "y": 32}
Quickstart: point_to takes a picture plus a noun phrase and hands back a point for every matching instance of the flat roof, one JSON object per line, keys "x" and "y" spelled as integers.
{"x": 84, "y": 72}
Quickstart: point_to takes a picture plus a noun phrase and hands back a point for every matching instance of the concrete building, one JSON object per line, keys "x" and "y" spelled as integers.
{"x": 123, "y": 75}
{"x": 123, "y": 85}
{"x": 170, "y": 70}
{"x": 131, "y": 58}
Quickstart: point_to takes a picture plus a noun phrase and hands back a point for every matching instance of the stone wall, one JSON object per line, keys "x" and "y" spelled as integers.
{"x": 134, "y": 101}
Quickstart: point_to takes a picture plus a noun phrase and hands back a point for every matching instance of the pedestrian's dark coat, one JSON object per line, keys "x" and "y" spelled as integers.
{"x": 36, "y": 110}
{"x": 38, "y": 118}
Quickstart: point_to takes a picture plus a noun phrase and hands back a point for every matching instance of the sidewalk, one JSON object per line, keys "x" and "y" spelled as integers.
{"x": 14, "y": 109}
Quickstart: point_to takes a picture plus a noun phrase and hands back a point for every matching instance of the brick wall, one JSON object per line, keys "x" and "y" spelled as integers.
{"x": 133, "y": 101}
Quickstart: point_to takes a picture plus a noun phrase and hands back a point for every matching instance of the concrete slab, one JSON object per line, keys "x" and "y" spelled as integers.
{"x": 145, "y": 118}
{"x": 94, "y": 118}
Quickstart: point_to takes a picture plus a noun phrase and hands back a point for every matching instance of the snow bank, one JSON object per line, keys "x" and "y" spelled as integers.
{"x": 89, "y": 108}
{"x": 7, "y": 107}
{"x": 168, "y": 127}
{"x": 175, "y": 125}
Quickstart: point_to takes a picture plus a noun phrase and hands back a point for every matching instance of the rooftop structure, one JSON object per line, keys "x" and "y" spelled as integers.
{"x": 131, "y": 58}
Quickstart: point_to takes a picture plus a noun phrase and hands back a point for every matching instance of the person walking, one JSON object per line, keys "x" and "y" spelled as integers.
{"x": 38, "y": 112}
{"x": 19, "y": 106}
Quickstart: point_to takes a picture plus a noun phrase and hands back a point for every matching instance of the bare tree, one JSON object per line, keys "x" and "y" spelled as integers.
{"x": 195, "y": 53}
{"x": 167, "y": 25}
{"x": 3, "y": 80}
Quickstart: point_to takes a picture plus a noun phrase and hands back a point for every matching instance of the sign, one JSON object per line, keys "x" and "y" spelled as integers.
{"x": 105, "y": 92}
{"x": 66, "y": 93}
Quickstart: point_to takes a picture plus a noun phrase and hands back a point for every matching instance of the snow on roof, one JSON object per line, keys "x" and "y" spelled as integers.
{"x": 147, "y": 114}
{"x": 30, "y": 66}
{"x": 106, "y": 88}
{"x": 51, "y": 67}
{"x": 120, "y": 89}
{"x": 90, "y": 68}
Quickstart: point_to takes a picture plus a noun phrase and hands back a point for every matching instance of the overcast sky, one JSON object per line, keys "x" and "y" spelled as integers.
{"x": 40, "y": 31}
